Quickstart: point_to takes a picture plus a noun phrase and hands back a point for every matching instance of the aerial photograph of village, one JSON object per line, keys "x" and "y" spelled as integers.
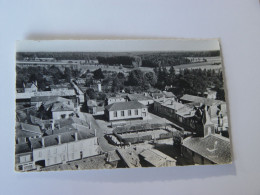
{"x": 78, "y": 110}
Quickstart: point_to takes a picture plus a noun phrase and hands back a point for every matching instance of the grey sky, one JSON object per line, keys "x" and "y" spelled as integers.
{"x": 118, "y": 45}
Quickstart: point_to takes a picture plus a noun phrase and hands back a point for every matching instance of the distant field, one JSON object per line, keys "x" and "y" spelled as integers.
{"x": 203, "y": 65}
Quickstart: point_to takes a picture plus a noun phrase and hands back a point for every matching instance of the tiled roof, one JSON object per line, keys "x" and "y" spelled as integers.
{"x": 30, "y": 85}
{"x": 156, "y": 158}
{"x": 213, "y": 147}
{"x": 69, "y": 92}
{"x": 22, "y": 148}
{"x": 30, "y": 128}
{"x": 170, "y": 103}
{"x": 168, "y": 94}
{"x": 186, "y": 111}
{"x": 61, "y": 107}
{"x": 23, "y": 134}
{"x": 92, "y": 103}
{"x": 48, "y": 99}
{"x": 52, "y": 140}
{"x": 138, "y": 97}
{"x": 197, "y": 99}
{"x": 124, "y": 106}
{"x": 43, "y": 98}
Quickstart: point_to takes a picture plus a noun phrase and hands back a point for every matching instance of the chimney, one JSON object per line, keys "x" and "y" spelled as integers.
{"x": 76, "y": 136}
{"x": 59, "y": 139}
{"x": 52, "y": 125}
{"x": 43, "y": 142}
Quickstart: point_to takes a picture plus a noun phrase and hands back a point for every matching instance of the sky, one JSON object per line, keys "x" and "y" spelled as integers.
{"x": 118, "y": 45}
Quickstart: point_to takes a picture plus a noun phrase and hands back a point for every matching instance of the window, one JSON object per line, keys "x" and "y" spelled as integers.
{"x": 122, "y": 113}
{"x": 20, "y": 167}
{"x": 129, "y": 113}
{"x": 115, "y": 113}
{"x": 136, "y": 112}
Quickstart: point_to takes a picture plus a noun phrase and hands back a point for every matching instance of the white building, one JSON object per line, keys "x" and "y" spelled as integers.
{"x": 126, "y": 111}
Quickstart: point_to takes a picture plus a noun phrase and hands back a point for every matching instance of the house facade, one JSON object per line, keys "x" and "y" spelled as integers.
{"x": 30, "y": 87}
{"x": 55, "y": 149}
{"x": 143, "y": 99}
{"x": 207, "y": 147}
{"x": 112, "y": 100}
{"x": 62, "y": 111}
{"x": 176, "y": 111}
{"x": 126, "y": 111}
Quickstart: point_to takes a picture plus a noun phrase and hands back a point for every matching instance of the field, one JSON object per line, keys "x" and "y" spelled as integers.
{"x": 83, "y": 68}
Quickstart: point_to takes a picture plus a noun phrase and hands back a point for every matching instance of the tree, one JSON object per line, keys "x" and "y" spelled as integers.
{"x": 91, "y": 93}
{"x": 220, "y": 94}
{"x": 120, "y": 75}
{"x": 171, "y": 77}
{"x": 67, "y": 74}
{"x": 151, "y": 78}
{"x": 98, "y": 74}
{"x": 135, "y": 78}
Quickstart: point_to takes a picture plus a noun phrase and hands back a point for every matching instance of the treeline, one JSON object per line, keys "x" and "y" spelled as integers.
{"x": 193, "y": 82}
{"x": 212, "y": 53}
{"x": 44, "y": 76}
{"x": 157, "y": 61}
{"x": 56, "y": 55}
{"x": 124, "y": 60}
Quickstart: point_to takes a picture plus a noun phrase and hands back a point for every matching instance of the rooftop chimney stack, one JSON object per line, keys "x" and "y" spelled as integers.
{"x": 76, "y": 136}
{"x": 43, "y": 142}
{"x": 52, "y": 125}
{"x": 59, "y": 139}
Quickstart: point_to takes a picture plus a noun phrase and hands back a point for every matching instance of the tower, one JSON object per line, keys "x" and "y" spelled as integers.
{"x": 208, "y": 126}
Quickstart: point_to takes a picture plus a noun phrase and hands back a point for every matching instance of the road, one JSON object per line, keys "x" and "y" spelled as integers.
{"x": 100, "y": 132}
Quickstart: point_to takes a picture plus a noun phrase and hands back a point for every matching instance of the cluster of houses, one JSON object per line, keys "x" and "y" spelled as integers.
{"x": 206, "y": 118}
{"x": 50, "y": 132}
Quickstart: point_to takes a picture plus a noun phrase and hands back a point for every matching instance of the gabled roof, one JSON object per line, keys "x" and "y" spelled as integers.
{"x": 22, "y": 148}
{"x": 138, "y": 97}
{"x": 52, "y": 140}
{"x": 30, "y": 128}
{"x": 186, "y": 111}
{"x": 30, "y": 85}
{"x": 92, "y": 103}
{"x": 49, "y": 99}
{"x": 61, "y": 107}
{"x": 124, "y": 106}
{"x": 197, "y": 99}
{"x": 168, "y": 94}
{"x": 156, "y": 158}
{"x": 171, "y": 103}
{"x": 215, "y": 148}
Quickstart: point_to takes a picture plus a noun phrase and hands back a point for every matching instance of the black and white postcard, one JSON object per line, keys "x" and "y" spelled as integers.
{"x": 105, "y": 104}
